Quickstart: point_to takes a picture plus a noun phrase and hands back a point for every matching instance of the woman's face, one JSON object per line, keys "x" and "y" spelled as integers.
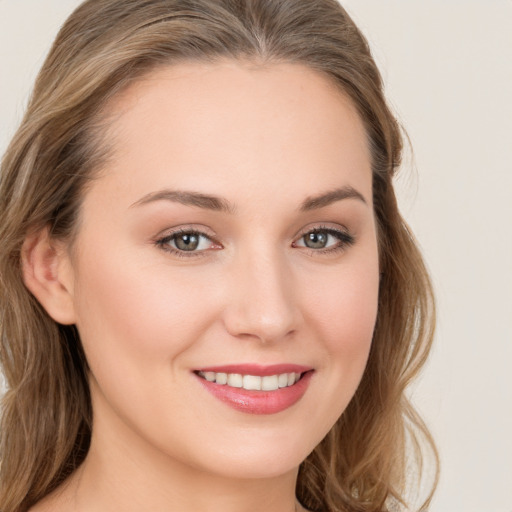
{"x": 231, "y": 237}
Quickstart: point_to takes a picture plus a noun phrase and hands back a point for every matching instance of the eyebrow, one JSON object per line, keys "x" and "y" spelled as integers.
{"x": 219, "y": 204}
{"x": 327, "y": 198}
{"x": 204, "y": 201}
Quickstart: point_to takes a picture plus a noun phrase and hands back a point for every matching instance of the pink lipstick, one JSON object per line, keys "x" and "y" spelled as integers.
{"x": 256, "y": 389}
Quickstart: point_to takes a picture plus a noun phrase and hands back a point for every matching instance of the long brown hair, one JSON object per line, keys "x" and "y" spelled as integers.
{"x": 105, "y": 45}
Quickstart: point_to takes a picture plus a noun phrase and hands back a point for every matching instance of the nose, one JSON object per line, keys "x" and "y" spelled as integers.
{"x": 262, "y": 303}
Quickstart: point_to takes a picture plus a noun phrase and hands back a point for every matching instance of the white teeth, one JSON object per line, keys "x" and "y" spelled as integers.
{"x": 221, "y": 378}
{"x": 252, "y": 382}
{"x": 269, "y": 383}
{"x": 235, "y": 380}
{"x": 282, "y": 380}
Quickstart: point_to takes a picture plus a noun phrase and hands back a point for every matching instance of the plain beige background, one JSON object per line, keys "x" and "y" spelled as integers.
{"x": 448, "y": 69}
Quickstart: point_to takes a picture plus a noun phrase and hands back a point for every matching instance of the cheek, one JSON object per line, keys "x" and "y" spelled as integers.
{"x": 347, "y": 309}
{"x": 131, "y": 313}
{"x": 346, "y": 313}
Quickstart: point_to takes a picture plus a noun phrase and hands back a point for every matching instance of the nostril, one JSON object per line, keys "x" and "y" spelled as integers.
{"x": 260, "y": 303}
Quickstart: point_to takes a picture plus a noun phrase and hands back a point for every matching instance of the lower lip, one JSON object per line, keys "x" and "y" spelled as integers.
{"x": 259, "y": 402}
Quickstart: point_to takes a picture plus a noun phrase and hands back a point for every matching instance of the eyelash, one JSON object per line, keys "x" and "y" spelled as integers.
{"x": 163, "y": 243}
{"x": 345, "y": 240}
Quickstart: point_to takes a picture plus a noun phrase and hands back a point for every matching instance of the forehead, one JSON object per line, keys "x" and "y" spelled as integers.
{"x": 215, "y": 126}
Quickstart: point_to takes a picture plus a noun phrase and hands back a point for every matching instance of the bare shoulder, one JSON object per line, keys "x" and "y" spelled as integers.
{"x": 50, "y": 505}
{"x": 57, "y": 501}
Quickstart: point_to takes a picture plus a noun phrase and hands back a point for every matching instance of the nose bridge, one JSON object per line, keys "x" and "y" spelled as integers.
{"x": 262, "y": 302}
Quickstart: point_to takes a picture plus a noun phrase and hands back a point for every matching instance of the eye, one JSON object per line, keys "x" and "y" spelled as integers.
{"x": 186, "y": 243}
{"x": 325, "y": 240}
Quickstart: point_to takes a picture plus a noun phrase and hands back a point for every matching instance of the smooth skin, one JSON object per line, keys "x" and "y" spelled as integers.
{"x": 258, "y": 285}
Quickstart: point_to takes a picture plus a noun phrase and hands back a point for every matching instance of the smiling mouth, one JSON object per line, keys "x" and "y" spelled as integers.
{"x": 252, "y": 382}
{"x": 256, "y": 389}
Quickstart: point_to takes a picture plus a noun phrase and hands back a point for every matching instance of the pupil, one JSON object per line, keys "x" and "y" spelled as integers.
{"x": 316, "y": 240}
{"x": 187, "y": 242}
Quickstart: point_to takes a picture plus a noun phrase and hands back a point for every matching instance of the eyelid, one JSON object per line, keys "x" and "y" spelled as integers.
{"x": 345, "y": 239}
{"x": 162, "y": 241}
{"x": 186, "y": 228}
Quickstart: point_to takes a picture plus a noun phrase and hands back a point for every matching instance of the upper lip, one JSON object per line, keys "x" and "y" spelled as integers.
{"x": 256, "y": 369}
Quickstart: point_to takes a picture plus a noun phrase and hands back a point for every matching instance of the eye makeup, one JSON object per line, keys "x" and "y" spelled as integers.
{"x": 187, "y": 242}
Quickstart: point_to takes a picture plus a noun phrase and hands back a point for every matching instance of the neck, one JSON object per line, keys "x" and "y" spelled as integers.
{"x": 121, "y": 472}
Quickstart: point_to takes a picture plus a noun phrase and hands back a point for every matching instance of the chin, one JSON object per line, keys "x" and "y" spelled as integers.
{"x": 266, "y": 458}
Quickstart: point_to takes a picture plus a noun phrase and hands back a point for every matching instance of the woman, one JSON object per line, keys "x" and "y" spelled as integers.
{"x": 209, "y": 298}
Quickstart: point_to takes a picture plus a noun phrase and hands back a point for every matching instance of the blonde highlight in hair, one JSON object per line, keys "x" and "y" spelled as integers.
{"x": 105, "y": 45}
